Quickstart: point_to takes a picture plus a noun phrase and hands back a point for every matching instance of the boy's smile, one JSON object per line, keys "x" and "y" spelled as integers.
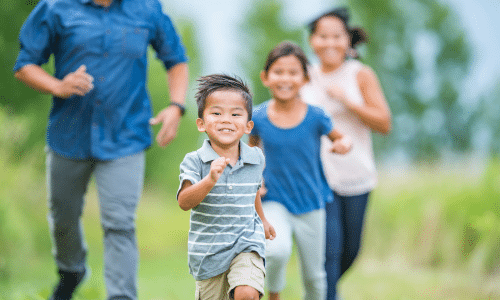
{"x": 225, "y": 118}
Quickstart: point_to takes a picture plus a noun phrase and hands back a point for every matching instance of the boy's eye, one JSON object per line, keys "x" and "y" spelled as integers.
{"x": 236, "y": 115}
{"x": 216, "y": 113}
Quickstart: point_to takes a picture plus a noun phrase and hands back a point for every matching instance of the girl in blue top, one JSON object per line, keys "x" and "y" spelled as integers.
{"x": 296, "y": 190}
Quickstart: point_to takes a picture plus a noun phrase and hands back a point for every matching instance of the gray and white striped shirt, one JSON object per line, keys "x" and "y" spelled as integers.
{"x": 225, "y": 223}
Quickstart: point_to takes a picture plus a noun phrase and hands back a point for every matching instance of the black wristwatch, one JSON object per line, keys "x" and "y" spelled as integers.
{"x": 180, "y": 106}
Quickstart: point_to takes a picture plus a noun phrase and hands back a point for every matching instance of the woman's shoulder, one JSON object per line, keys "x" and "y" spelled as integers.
{"x": 354, "y": 65}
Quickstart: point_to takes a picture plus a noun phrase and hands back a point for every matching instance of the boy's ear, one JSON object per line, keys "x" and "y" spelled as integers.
{"x": 249, "y": 127}
{"x": 263, "y": 77}
{"x": 201, "y": 124}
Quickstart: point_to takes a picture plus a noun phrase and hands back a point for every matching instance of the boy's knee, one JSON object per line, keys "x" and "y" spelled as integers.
{"x": 245, "y": 292}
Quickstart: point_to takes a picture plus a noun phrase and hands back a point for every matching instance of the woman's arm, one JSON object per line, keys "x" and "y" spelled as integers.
{"x": 375, "y": 112}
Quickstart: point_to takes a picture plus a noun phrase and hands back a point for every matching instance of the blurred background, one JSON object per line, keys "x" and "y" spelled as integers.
{"x": 433, "y": 226}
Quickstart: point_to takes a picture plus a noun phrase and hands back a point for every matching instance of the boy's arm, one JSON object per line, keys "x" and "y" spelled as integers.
{"x": 341, "y": 142}
{"x": 268, "y": 228}
{"x": 190, "y": 195}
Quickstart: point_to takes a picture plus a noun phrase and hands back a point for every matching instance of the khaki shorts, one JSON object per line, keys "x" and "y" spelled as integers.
{"x": 245, "y": 269}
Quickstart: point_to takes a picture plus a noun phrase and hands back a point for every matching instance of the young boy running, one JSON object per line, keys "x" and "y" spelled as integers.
{"x": 219, "y": 183}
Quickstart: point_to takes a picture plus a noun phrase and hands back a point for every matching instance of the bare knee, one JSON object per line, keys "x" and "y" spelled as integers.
{"x": 245, "y": 292}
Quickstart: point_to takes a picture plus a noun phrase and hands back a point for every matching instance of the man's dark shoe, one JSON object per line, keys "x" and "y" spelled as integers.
{"x": 68, "y": 281}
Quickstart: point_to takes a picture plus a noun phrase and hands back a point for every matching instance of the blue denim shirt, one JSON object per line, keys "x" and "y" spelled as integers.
{"x": 110, "y": 121}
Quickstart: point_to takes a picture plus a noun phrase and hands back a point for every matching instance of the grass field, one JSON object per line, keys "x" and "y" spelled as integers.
{"x": 432, "y": 232}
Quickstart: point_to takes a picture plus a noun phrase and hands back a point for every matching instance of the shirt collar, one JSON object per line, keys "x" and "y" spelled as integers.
{"x": 247, "y": 155}
{"x": 90, "y": 1}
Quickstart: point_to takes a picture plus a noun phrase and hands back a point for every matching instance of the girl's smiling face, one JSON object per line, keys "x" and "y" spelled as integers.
{"x": 330, "y": 41}
{"x": 285, "y": 77}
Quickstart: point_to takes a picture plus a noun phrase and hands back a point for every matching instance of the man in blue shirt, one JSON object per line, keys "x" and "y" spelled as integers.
{"x": 100, "y": 121}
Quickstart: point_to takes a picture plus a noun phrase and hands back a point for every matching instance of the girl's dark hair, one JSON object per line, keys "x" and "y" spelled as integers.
{"x": 221, "y": 82}
{"x": 284, "y": 49}
{"x": 357, "y": 34}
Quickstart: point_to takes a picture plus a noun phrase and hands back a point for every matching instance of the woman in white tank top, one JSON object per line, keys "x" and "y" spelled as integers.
{"x": 351, "y": 93}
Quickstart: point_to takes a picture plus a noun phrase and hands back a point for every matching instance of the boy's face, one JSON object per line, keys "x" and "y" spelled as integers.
{"x": 225, "y": 118}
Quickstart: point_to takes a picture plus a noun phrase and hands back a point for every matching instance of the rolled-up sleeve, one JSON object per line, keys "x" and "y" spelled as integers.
{"x": 167, "y": 43}
{"x": 190, "y": 169}
{"x": 36, "y": 38}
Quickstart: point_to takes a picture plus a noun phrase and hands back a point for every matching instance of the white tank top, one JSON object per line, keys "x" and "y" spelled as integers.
{"x": 353, "y": 173}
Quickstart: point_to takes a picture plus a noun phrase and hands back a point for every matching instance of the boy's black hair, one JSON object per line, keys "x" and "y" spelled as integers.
{"x": 221, "y": 82}
{"x": 286, "y": 48}
{"x": 357, "y": 34}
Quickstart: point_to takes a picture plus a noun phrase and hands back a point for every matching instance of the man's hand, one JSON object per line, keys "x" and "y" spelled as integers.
{"x": 217, "y": 168}
{"x": 170, "y": 118}
{"x": 75, "y": 83}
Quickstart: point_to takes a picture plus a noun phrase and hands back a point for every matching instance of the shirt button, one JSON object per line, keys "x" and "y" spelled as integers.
{"x": 230, "y": 187}
{"x": 106, "y": 54}
{"x": 94, "y": 125}
{"x": 101, "y": 79}
{"x": 108, "y": 31}
{"x": 98, "y": 102}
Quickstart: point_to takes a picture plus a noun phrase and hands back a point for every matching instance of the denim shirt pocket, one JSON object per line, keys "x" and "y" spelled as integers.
{"x": 134, "y": 41}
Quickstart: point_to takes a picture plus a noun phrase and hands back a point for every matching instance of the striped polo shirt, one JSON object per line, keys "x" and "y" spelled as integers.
{"x": 225, "y": 223}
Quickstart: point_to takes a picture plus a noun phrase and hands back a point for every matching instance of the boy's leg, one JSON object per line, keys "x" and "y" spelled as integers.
{"x": 67, "y": 182}
{"x": 279, "y": 250}
{"x": 333, "y": 246}
{"x": 353, "y": 210}
{"x": 246, "y": 277}
{"x": 213, "y": 288}
{"x": 119, "y": 184}
{"x": 309, "y": 233}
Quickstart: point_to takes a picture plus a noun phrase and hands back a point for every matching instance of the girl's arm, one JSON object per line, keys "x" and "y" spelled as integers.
{"x": 268, "y": 228}
{"x": 341, "y": 142}
{"x": 253, "y": 141}
{"x": 191, "y": 195}
{"x": 375, "y": 113}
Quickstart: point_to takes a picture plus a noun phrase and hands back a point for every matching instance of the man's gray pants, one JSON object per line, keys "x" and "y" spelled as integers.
{"x": 119, "y": 184}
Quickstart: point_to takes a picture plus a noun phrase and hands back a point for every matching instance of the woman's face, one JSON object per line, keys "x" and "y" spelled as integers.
{"x": 330, "y": 42}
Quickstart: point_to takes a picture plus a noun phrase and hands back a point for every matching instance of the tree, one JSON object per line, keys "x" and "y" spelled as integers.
{"x": 263, "y": 29}
{"x": 421, "y": 54}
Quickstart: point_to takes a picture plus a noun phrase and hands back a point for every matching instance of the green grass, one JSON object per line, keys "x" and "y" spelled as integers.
{"x": 431, "y": 233}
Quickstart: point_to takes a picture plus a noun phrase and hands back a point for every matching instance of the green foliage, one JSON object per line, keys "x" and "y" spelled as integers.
{"x": 430, "y": 233}
{"x": 263, "y": 27}
{"x": 419, "y": 51}
{"x": 162, "y": 164}
{"x": 440, "y": 222}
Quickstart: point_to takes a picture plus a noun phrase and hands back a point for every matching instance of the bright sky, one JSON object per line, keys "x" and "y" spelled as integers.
{"x": 218, "y": 24}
